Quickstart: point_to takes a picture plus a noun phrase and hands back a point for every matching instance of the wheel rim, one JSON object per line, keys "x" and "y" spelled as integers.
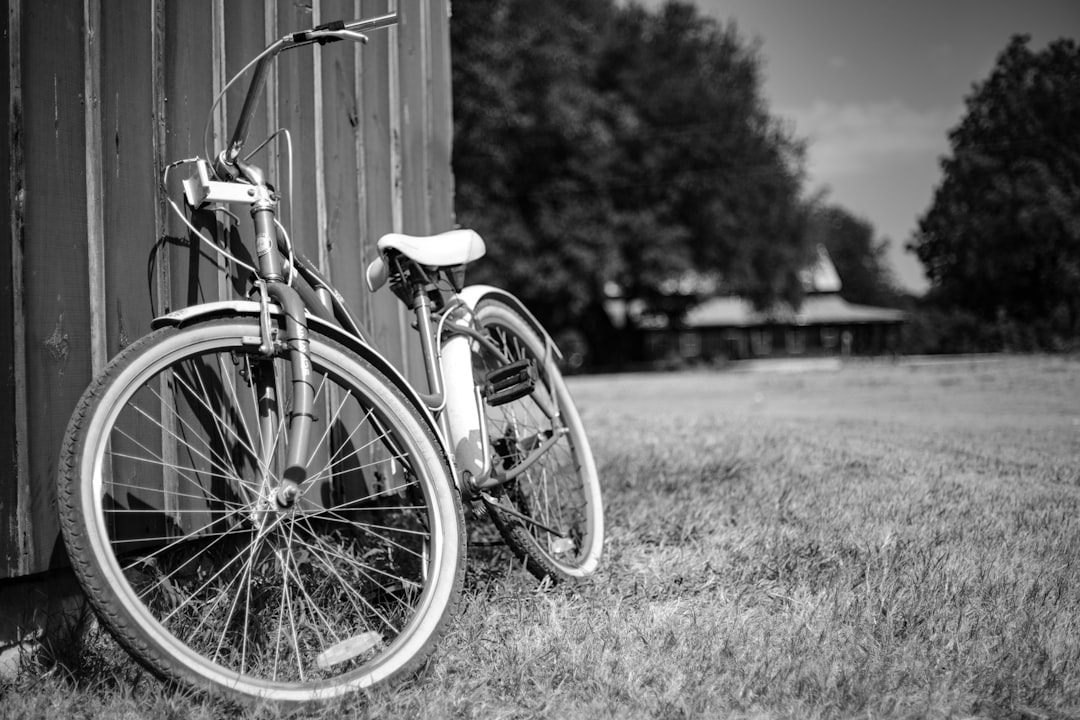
{"x": 557, "y": 492}
{"x": 293, "y": 604}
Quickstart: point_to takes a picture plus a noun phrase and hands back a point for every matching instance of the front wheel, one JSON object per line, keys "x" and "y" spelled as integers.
{"x": 550, "y": 513}
{"x": 168, "y": 507}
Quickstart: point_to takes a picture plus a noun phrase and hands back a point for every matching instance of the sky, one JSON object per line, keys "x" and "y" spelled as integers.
{"x": 874, "y": 86}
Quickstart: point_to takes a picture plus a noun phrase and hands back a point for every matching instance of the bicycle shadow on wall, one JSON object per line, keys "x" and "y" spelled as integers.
{"x": 201, "y": 262}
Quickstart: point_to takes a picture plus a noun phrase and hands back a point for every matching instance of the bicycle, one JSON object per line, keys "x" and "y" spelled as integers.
{"x": 259, "y": 505}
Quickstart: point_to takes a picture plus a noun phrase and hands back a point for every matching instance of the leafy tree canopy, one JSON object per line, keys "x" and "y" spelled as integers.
{"x": 1001, "y": 239}
{"x": 598, "y": 142}
{"x": 859, "y": 258}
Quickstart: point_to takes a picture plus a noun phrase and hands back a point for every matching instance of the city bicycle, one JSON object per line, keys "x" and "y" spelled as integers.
{"x": 259, "y": 505}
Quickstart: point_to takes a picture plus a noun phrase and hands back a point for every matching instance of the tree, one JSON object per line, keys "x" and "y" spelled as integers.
{"x": 1001, "y": 239}
{"x": 706, "y": 178}
{"x": 598, "y": 142}
{"x": 531, "y": 146}
{"x": 860, "y": 259}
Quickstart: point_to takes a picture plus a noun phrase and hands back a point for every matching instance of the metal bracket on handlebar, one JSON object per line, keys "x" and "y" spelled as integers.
{"x": 268, "y": 345}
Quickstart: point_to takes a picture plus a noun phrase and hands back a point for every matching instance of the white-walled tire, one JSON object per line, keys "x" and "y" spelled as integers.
{"x": 551, "y": 515}
{"x": 166, "y": 508}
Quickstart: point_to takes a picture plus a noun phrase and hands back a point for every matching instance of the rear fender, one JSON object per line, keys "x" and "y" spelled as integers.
{"x": 250, "y": 308}
{"x": 473, "y": 294}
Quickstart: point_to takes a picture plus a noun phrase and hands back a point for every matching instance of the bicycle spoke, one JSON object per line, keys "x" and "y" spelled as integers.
{"x": 334, "y": 517}
{"x": 217, "y": 537}
{"x": 334, "y": 553}
{"x": 210, "y": 410}
{"x": 292, "y": 617}
{"x": 335, "y": 460}
{"x": 174, "y": 494}
{"x": 235, "y": 397}
{"x": 202, "y": 587}
{"x": 193, "y": 431}
{"x": 347, "y": 587}
{"x": 178, "y": 468}
{"x": 313, "y": 606}
{"x": 244, "y": 576}
{"x": 365, "y": 528}
{"x": 329, "y": 423}
{"x": 176, "y": 541}
{"x": 357, "y": 562}
{"x": 183, "y": 443}
{"x": 219, "y": 422}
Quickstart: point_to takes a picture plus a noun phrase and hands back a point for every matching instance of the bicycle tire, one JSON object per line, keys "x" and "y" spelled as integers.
{"x": 561, "y": 491}
{"x": 172, "y": 530}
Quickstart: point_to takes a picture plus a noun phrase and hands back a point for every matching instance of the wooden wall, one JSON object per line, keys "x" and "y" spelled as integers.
{"x": 100, "y": 95}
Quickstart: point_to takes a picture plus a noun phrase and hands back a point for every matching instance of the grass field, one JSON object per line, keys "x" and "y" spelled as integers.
{"x": 888, "y": 540}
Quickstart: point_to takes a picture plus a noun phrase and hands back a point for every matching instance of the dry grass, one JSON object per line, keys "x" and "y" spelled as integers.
{"x": 885, "y": 541}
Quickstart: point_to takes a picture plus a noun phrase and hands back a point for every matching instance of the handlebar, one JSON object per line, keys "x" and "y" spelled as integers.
{"x": 225, "y": 163}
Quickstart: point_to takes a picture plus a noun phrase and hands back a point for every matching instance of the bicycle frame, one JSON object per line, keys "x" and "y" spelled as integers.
{"x": 453, "y": 403}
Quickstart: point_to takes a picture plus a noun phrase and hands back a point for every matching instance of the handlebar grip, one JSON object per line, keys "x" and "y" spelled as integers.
{"x": 307, "y": 35}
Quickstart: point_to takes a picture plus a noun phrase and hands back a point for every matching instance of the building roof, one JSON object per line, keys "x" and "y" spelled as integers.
{"x": 820, "y": 276}
{"x": 825, "y": 309}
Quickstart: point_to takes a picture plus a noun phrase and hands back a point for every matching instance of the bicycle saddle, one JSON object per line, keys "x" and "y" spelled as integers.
{"x": 455, "y": 247}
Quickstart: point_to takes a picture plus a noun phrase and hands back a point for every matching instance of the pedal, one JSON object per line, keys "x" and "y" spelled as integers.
{"x": 509, "y": 382}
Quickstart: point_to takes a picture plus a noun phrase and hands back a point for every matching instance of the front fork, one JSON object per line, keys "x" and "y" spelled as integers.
{"x": 296, "y": 343}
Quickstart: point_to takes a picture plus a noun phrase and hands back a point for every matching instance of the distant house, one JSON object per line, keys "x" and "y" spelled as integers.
{"x": 724, "y": 328}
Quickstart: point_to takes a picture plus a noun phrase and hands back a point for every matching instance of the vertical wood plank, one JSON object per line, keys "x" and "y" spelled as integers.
{"x": 187, "y": 68}
{"x": 9, "y": 468}
{"x": 378, "y": 125}
{"x": 162, "y": 274}
{"x": 245, "y": 32}
{"x": 296, "y": 103}
{"x": 221, "y": 125}
{"x": 413, "y": 71}
{"x": 123, "y": 147}
{"x": 270, "y": 34}
{"x": 365, "y": 242}
{"x": 17, "y": 536}
{"x": 440, "y": 119}
{"x": 55, "y": 261}
{"x": 95, "y": 214}
{"x": 320, "y": 146}
{"x": 398, "y": 318}
{"x": 342, "y": 169}
{"x": 245, "y": 26}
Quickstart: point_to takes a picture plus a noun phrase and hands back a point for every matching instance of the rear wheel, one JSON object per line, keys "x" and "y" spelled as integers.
{"x": 169, "y": 512}
{"x": 550, "y": 512}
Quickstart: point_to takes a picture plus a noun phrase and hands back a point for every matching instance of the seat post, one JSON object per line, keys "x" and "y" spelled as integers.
{"x": 422, "y": 309}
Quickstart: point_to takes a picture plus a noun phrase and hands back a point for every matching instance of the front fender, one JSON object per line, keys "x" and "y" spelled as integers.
{"x": 473, "y": 294}
{"x": 250, "y": 308}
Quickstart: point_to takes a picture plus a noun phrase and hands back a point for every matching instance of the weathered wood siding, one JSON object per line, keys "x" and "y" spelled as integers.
{"x": 100, "y": 95}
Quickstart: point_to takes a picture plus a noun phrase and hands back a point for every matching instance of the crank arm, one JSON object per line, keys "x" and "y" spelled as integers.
{"x": 499, "y": 476}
